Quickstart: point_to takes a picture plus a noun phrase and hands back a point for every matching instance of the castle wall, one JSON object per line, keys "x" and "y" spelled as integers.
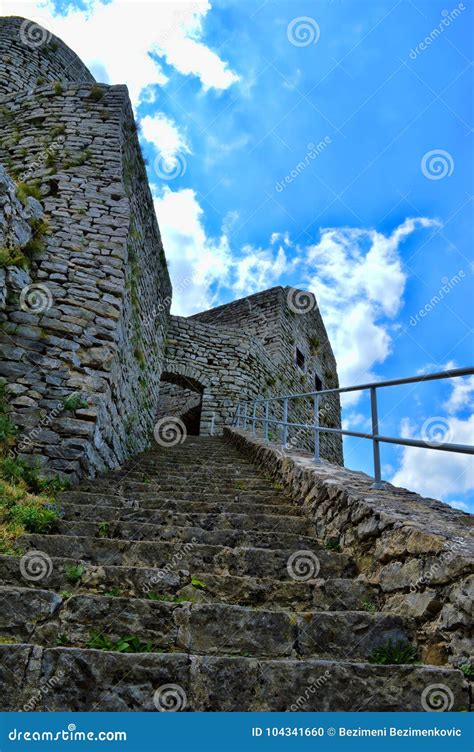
{"x": 31, "y": 56}
{"x": 176, "y": 400}
{"x": 84, "y": 352}
{"x": 228, "y": 366}
{"x": 247, "y": 349}
{"x": 104, "y": 302}
{"x": 283, "y": 320}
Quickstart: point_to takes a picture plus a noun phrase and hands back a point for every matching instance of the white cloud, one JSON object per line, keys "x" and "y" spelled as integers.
{"x": 435, "y": 473}
{"x": 258, "y": 269}
{"x": 122, "y": 36}
{"x": 164, "y": 134}
{"x": 196, "y": 261}
{"x": 462, "y": 396}
{"x": 459, "y": 505}
{"x": 354, "y": 421}
{"x": 358, "y": 280}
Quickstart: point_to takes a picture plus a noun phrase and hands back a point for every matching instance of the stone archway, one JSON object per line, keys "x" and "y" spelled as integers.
{"x": 182, "y": 396}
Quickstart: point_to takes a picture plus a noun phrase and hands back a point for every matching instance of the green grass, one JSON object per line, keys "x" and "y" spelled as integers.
{"x": 27, "y": 502}
{"x": 78, "y": 161}
{"x": 114, "y": 592}
{"x": 241, "y": 485}
{"x": 127, "y": 644}
{"x": 58, "y": 130}
{"x": 314, "y": 344}
{"x": 96, "y": 93}
{"x": 332, "y": 544}
{"x": 24, "y": 190}
{"x": 103, "y": 530}
{"x": 394, "y": 652}
{"x": 74, "y": 573}
{"x": 198, "y": 584}
{"x": 468, "y": 670}
{"x": 370, "y": 607}
{"x": 74, "y": 402}
{"x": 33, "y": 517}
{"x": 15, "y": 470}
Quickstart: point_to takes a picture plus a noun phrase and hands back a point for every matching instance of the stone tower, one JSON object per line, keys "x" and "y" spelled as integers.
{"x": 87, "y": 338}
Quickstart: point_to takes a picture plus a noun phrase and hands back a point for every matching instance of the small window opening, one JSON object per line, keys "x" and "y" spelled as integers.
{"x": 299, "y": 357}
{"x": 318, "y": 384}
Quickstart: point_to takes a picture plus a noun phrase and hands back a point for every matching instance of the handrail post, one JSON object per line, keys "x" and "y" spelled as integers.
{"x": 317, "y": 451}
{"x": 285, "y": 422}
{"x": 254, "y": 416}
{"x": 245, "y": 416}
{"x": 267, "y": 403}
{"x": 378, "y": 483}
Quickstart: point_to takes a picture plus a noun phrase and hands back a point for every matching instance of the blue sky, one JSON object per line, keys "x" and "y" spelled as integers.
{"x": 326, "y": 145}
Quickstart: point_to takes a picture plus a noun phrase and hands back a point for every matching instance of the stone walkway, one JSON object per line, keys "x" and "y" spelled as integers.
{"x": 214, "y": 584}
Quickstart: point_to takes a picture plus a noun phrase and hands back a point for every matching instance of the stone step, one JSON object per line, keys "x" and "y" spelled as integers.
{"x": 141, "y": 531}
{"x": 253, "y": 562}
{"x": 120, "y": 682}
{"x": 207, "y": 521}
{"x": 173, "y": 469}
{"x": 195, "y": 503}
{"x": 43, "y": 617}
{"x": 182, "y": 485}
{"x": 336, "y": 594}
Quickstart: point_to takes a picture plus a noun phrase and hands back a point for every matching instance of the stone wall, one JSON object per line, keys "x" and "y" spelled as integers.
{"x": 93, "y": 327}
{"x": 282, "y": 321}
{"x": 222, "y": 363}
{"x": 85, "y": 320}
{"x": 31, "y": 56}
{"x": 418, "y": 552}
{"x": 176, "y": 400}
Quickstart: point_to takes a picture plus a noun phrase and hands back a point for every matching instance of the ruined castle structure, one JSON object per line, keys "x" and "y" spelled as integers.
{"x": 89, "y": 349}
{"x": 271, "y": 343}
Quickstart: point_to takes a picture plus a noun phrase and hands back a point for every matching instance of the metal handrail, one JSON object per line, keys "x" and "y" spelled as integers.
{"x": 251, "y": 416}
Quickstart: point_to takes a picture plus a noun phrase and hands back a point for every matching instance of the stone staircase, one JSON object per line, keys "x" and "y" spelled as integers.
{"x": 187, "y": 581}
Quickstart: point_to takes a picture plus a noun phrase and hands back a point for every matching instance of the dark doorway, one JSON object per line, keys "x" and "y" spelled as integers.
{"x": 181, "y": 397}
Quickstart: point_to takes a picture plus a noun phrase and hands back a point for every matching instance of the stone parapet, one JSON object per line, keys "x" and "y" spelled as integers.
{"x": 418, "y": 552}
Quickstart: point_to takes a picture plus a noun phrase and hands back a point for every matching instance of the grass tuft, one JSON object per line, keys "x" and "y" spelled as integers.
{"x": 394, "y": 652}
